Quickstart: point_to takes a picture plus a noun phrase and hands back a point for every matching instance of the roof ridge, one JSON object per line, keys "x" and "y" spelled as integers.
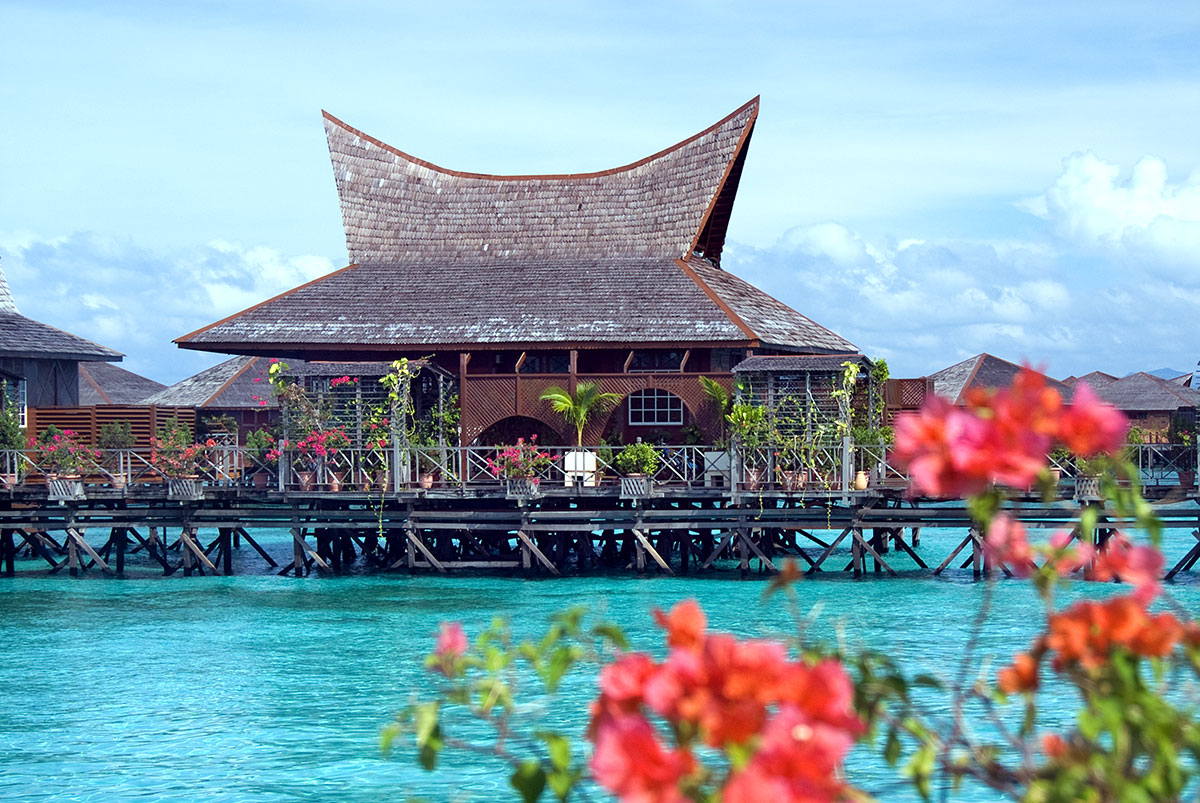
{"x": 230, "y": 381}
{"x": 753, "y": 102}
{"x": 713, "y": 296}
{"x": 87, "y": 375}
{"x": 284, "y": 294}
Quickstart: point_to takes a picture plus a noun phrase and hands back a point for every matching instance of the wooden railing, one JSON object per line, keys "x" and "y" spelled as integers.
{"x": 832, "y": 469}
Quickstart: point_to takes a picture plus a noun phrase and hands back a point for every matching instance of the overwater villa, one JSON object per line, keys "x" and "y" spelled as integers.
{"x": 515, "y": 284}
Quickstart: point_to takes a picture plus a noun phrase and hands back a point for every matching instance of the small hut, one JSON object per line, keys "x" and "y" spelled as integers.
{"x": 39, "y": 364}
{"x": 105, "y": 383}
{"x": 1161, "y": 408}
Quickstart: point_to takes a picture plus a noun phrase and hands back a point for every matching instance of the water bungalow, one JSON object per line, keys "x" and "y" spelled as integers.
{"x": 39, "y": 363}
{"x": 514, "y": 284}
{"x": 1161, "y": 408}
{"x": 501, "y": 287}
{"x": 982, "y": 372}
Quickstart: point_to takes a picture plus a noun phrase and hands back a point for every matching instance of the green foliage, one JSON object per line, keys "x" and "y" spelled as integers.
{"x": 12, "y": 434}
{"x": 638, "y": 458}
{"x": 216, "y": 425}
{"x": 748, "y": 425}
{"x": 579, "y": 408}
{"x": 258, "y": 443}
{"x": 116, "y": 435}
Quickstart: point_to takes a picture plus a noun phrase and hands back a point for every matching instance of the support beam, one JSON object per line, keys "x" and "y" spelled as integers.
{"x": 537, "y": 553}
{"x": 653, "y": 552}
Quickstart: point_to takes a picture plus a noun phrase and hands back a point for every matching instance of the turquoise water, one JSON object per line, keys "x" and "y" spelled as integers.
{"x": 264, "y": 688}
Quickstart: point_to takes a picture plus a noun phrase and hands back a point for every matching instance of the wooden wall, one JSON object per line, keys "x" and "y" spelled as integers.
{"x": 144, "y": 420}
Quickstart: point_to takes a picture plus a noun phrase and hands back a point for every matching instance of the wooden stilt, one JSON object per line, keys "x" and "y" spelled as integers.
{"x": 8, "y": 552}
{"x": 644, "y": 544}
{"x": 743, "y": 554}
{"x": 120, "y": 539}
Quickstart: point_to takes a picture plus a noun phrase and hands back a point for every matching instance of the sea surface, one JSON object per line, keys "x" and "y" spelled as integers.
{"x": 263, "y": 688}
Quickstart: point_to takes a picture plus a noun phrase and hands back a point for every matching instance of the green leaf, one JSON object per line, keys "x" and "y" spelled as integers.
{"x": 558, "y": 747}
{"x": 529, "y": 780}
{"x": 891, "y": 749}
{"x": 613, "y": 633}
{"x": 388, "y": 736}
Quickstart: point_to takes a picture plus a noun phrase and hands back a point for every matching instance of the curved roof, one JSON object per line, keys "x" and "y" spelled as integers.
{"x": 444, "y": 259}
{"x": 655, "y": 207}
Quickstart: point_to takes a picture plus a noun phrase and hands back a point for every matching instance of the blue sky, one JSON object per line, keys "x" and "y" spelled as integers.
{"x": 930, "y": 179}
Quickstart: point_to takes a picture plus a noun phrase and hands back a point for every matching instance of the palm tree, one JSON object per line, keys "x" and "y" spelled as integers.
{"x": 578, "y": 409}
{"x": 719, "y": 398}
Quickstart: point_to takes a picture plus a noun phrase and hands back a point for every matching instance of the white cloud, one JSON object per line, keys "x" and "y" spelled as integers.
{"x": 1145, "y": 218}
{"x": 137, "y": 300}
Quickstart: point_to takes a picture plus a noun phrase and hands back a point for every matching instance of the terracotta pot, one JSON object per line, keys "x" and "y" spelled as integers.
{"x": 426, "y": 480}
{"x": 307, "y": 479}
{"x": 754, "y": 478}
{"x": 1187, "y": 478}
{"x": 336, "y": 479}
{"x": 259, "y": 479}
{"x": 861, "y": 481}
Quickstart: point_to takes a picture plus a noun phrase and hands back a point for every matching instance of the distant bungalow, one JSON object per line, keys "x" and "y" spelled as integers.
{"x": 516, "y": 283}
{"x": 40, "y": 365}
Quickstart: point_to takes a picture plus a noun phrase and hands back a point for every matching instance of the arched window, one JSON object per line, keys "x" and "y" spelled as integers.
{"x": 655, "y": 407}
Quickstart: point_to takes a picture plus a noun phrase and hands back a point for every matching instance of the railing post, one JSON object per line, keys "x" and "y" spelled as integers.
{"x": 847, "y": 465}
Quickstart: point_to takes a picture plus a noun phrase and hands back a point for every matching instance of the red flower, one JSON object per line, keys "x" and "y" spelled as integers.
{"x": 1089, "y": 426}
{"x": 630, "y": 761}
{"x": 1022, "y": 676}
{"x": 1138, "y": 565}
{"x": 1006, "y": 544}
{"x": 684, "y": 624}
{"x": 451, "y": 645}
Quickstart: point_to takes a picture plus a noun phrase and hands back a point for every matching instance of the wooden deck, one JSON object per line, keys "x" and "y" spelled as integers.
{"x": 561, "y": 531}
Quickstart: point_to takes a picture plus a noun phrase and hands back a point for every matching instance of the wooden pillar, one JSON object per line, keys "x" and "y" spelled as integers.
{"x": 187, "y": 553}
{"x": 574, "y": 379}
{"x": 743, "y": 554}
{"x": 120, "y": 539}
{"x": 297, "y": 553}
{"x": 8, "y": 552}
{"x": 227, "y": 536}
{"x": 72, "y": 556}
{"x": 856, "y": 552}
{"x": 976, "y": 555}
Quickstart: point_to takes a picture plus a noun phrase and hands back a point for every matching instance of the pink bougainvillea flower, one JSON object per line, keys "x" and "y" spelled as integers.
{"x": 942, "y": 448}
{"x": 631, "y": 762}
{"x": 797, "y": 760}
{"x": 1089, "y": 426}
{"x": 451, "y": 641}
{"x": 1007, "y": 544}
{"x": 1136, "y": 564}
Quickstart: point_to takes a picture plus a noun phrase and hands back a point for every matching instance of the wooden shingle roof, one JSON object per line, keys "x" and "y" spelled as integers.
{"x": 447, "y": 259}
{"x": 982, "y": 371}
{"x": 25, "y": 338}
{"x": 105, "y": 383}
{"x": 1144, "y": 392}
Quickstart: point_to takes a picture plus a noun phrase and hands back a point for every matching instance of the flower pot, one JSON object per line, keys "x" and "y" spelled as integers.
{"x": 636, "y": 486}
{"x": 580, "y": 466}
{"x": 1087, "y": 488}
{"x": 8, "y": 480}
{"x": 521, "y": 487}
{"x": 259, "y": 479}
{"x": 381, "y": 480}
{"x": 307, "y": 480}
{"x": 336, "y": 480}
{"x": 185, "y": 489}
{"x": 64, "y": 488}
{"x": 792, "y": 480}
{"x": 861, "y": 481}
{"x": 426, "y": 480}
{"x": 1187, "y": 479}
{"x": 754, "y": 478}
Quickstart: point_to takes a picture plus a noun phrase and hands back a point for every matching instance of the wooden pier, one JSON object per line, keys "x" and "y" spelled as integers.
{"x": 559, "y": 531}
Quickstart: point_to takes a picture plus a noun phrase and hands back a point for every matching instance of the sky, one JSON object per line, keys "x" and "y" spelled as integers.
{"x": 931, "y": 180}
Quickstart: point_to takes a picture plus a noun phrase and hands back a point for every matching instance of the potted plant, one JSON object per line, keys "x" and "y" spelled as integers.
{"x": 61, "y": 455}
{"x": 12, "y": 437}
{"x": 716, "y": 460}
{"x": 749, "y": 430}
{"x": 519, "y": 465}
{"x": 114, "y": 438}
{"x": 638, "y": 462}
{"x": 261, "y": 447}
{"x": 318, "y": 453}
{"x": 577, "y": 409}
{"x": 177, "y": 457}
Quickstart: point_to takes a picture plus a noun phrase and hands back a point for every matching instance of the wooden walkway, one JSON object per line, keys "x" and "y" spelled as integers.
{"x": 564, "y": 532}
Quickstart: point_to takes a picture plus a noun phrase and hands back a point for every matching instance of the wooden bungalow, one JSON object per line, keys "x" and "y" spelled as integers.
{"x": 1161, "y": 408}
{"x": 983, "y": 371}
{"x": 238, "y": 390}
{"x": 39, "y": 363}
{"x": 518, "y": 283}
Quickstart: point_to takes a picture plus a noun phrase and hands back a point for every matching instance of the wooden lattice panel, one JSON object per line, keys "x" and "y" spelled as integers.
{"x": 486, "y": 400}
{"x": 87, "y": 421}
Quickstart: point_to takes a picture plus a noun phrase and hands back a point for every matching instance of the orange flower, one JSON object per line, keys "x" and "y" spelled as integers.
{"x": 1138, "y": 565}
{"x": 1085, "y": 634}
{"x": 685, "y": 624}
{"x": 1053, "y": 745}
{"x": 1021, "y": 677}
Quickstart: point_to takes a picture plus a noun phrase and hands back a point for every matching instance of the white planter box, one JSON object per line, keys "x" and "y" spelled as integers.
{"x": 521, "y": 488}
{"x": 185, "y": 490}
{"x": 716, "y": 469}
{"x": 64, "y": 490}
{"x": 580, "y": 467}
{"x": 636, "y": 487}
